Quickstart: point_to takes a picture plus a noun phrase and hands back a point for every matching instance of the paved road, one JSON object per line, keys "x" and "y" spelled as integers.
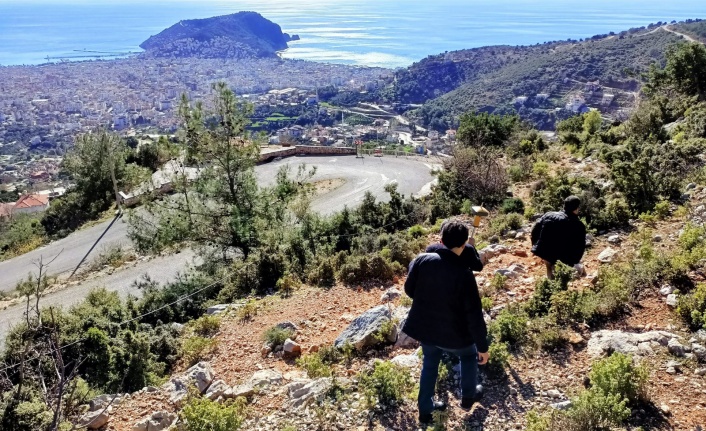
{"x": 361, "y": 175}
{"x": 161, "y": 269}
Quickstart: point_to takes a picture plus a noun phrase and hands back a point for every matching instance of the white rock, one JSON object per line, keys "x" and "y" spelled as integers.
{"x": 362, "y": 330}
{"x": 95, "y": 420}
{"x": 291, "y": 349}
{"x": 217, "y": 309}
{"x": 305, "y": 392}
{"x": 605, "y": 342}
{"x": 407, "y": 361}
{"x": 553, "y": 393}
{"x": 672, "y": 300}
{"x": 614, "y": 239}
{"x": 390, "y": 295}
{"x": 562, "y": 405}
{"x": 607, "y": 255}
{"x": 676, "y": 348}
{"x": 666, "y": 290}
{"x": 699, "y": 351}
{"x": 219, "y": 388}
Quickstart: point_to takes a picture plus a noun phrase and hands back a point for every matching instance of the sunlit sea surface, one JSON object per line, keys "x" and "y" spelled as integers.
{"x": 364, "y": 32}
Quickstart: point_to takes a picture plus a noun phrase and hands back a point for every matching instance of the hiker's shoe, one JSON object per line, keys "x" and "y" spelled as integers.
{"x": 429, "y": 417}
{"x": 467, "y": 402}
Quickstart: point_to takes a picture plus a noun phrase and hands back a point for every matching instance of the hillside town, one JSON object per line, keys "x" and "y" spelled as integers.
{"x": 43, "y": 107}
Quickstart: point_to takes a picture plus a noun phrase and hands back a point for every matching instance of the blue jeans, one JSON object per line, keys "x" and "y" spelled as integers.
{"x": 430, "y": 372}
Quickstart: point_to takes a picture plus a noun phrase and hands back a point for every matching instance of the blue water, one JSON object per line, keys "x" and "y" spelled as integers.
{"x": 390, "y": 33}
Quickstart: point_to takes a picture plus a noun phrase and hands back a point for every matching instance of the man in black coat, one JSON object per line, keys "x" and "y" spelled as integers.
{"x": 560, "y": 236}
{"x": 446, "y": 316}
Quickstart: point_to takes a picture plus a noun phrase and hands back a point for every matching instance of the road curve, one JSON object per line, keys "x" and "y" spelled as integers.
{"x": 360, "y": 175}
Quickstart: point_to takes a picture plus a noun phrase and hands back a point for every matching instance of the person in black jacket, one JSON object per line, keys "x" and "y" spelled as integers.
{"x": 446, "y": 316}
{"x": 560, "y": 236}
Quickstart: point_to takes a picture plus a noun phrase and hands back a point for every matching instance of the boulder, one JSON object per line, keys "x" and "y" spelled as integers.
{"x": 580, "y": 270}
{"x": 158, "y": 421}
{"x": 407, "y": 361}
{"x": 699, "y": 351}
{"x": 605, "y": 342}
{"x": 666, "y": 290}
{"x": 672, "y": 300}
{"x": 507, "y": 272}
{"x": 676, "y": 348}
{"x": 217, "y": 309}
{"x": 95, "y": 420}
{"x": 200, "y": 375}
{"x": 607, "y": 255}
{"x": 287, "y": 325}
{"x": 102, "y": 401}
{"x": 259, "y": 381}
{"x": 614, "y": 239}
{"x": 494, "y": 250}
{"x": 561, "y": 406}
{"x": 305, "y": 392}
{"x": 390, "y": 295}
{"x": 218, "y": 389}
{"x": 291, "y": 349}
{"x": 360, "y": 333}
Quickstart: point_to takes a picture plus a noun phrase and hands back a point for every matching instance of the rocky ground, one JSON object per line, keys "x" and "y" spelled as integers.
{"x": 281, "y": 397}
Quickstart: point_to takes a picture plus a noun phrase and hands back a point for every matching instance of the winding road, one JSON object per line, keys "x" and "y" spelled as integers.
{"x": 412, "y": 174}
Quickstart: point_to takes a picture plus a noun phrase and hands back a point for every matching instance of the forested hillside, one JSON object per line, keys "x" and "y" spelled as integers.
{"x": 491, "y": 78}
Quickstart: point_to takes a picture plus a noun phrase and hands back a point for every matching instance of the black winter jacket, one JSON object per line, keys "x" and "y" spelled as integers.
{"x": 469, "y": 256}
{"x": 446, "y": 311}
{"x": 559, "y": 236}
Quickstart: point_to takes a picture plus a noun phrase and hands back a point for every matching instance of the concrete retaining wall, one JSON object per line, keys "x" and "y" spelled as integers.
{"x": 307, "y": 150}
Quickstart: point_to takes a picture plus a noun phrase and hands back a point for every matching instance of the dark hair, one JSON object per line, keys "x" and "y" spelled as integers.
{"x": 571, "y": 204}
{"x": 454, "y": 233}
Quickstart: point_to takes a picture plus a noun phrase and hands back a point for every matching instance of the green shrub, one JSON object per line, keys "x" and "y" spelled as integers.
{"x": 486, "y": 303}
{"x": 499, "y": 357}
{"x": 548, "y": 335}
{"x": 248, "y": 310}
{"x": 276, "y": 336}
{"x": 518, "y": 173}
{"x": 510, "y": 326}
{"x": 417, "y": 231}
{"x": 201, "y": 414}
{"x": 387, "y": 329}
{"x": 544, "y": 289}
{"x": 540, "y": 169}
{"x": 287, "y": 284}
{"x": 595, "y": 410}
{"x": 195, "y": 349}
{"x": 314, "y": 366}
{"x": 205, "y": 326}
{"x": 498, "y": 282}
{"x": 406, "y": 301}
{"x": 385, "y": 383}
{"x": 618, "y": 375}
{"x": 323, "y": 274}
{"x": 662, "y": 210}
{"x": 504, "y": 223}
{"x": 359, "y": 269}
{"x": 692, "y": 307}
{"x": 513, "y": 205}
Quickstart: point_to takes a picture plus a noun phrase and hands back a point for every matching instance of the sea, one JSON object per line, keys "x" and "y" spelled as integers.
{"x": 386, "y": 33}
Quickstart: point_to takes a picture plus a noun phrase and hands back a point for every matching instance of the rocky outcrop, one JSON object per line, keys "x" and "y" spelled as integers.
{"x": 200, "y": 375}
{"x": 304, "y": 392}
{"x": 158, "y": 421}
{"x": 362, "y": 330}
{"x": 605, "y": 342}
{"x": 259, "y": 381}
{"x": 239, "y": 35}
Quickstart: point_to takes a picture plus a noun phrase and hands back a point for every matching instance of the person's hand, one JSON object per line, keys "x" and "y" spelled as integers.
{"x": 483, "y": 358}
{"x": 472, "y": 241}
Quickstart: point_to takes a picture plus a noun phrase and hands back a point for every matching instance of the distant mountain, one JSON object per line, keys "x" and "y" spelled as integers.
{"x": 539, "y": 82}
{"x": 239, "y": 35}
